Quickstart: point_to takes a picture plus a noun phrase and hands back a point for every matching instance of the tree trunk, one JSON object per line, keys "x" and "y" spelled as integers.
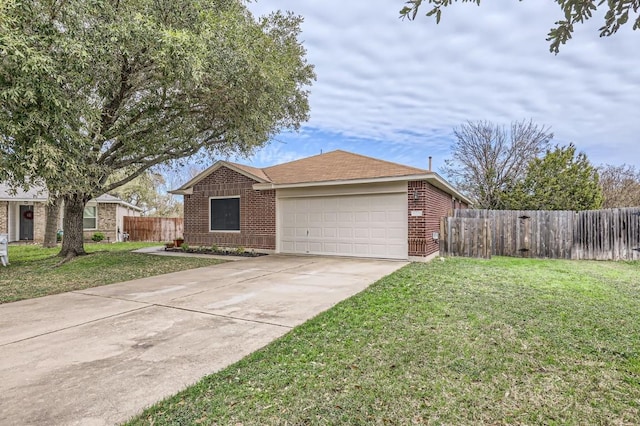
{"x": 51, "y": 228}
{"x": 73, "y": 240}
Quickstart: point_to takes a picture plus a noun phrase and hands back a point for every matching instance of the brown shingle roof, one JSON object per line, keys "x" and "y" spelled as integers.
{"x": 334, "y": 166}
{"x": 337, "y": 167}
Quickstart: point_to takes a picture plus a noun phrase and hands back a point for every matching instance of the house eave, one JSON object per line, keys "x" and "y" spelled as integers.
{"x": 187, "y": 191}
{"x": 25, "y": 200}
{"x": 431, "y": 177}
{"x": 118, "y": 202}
{"x": 267, "y": 186}
{"x": 437, "y": 181}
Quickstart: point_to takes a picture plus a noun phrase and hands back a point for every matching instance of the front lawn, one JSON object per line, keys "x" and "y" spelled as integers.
{"x": 31, "y": 272}
{"x": 505, "y": 341}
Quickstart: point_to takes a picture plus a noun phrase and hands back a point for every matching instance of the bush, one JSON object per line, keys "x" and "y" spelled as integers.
{"x": 97, "y": 237}
{"x": 184, "y": 247}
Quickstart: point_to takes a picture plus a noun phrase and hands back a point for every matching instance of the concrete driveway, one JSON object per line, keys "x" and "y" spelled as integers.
{"x": 101, "y": 355}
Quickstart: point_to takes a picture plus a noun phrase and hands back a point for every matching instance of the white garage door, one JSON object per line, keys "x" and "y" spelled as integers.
{"x": 348, "y": 225}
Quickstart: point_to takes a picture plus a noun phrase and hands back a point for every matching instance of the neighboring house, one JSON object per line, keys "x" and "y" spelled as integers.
{"x": 338, "y": 203}
{"x": 23, "y": 215}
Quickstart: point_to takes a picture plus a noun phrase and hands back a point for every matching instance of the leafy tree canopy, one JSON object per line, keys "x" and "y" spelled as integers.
{"x": 561, "y": 180}
{"x": 88, "y": 88}
{"x": 618, "y": 13}
{"x": 149, "y": 192}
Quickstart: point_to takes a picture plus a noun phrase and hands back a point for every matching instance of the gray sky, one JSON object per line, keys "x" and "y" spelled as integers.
{"x": 394, "y": 89}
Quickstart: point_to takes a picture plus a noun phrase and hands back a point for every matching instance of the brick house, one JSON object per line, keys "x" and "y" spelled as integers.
{"x": 23, "y": 215}
{"x": 337, "y": 203}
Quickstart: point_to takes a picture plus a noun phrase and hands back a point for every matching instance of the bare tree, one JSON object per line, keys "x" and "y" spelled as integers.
{"x": 488, "y": 159}
{"x": 620, "y": 186}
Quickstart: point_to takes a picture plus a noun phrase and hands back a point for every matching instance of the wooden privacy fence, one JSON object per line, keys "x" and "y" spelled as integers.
{"x": 468, "y": 237}
{"x": 153, "y": 228}
{"x": 612, "y": 234}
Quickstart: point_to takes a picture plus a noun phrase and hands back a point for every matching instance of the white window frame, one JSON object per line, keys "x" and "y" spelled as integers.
{"x": 239, "y": 215}
{"x": 95, "y": 207}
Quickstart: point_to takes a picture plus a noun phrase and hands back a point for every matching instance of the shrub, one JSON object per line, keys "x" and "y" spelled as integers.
{"x": 97, "y": 237}
{"x": 184, "y": 247}
{"x": 240, "y": 250}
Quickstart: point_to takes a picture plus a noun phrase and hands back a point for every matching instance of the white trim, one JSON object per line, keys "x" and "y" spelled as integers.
{"x": 226, "y": 231}
{"x": 266, "y": 186}
{"x": 431, "y": 177}
{"x": 118, "y": 202}
{"x": 388, "y": 191}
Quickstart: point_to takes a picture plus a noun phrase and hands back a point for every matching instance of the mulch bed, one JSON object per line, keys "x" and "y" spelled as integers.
{"x": 204, "y": 250}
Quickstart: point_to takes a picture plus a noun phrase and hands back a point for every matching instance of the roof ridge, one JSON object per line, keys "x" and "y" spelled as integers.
{"x": 300, "y": 159}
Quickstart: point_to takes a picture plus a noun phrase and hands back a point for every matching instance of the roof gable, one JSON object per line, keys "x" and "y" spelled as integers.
{"x": 251, "y": 172}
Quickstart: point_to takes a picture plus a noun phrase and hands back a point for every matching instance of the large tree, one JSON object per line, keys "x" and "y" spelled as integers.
{"x": 149, "y": 192}
{"x": 488, "y": 158}
{"x": 620, "y": 186}
{"x": 90, "y": 88}
{"x": 560, "y": 180}
{"x": 618, "y": 13}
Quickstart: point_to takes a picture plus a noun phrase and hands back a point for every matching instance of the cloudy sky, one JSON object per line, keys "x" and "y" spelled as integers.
{"x": 395, "y": 89}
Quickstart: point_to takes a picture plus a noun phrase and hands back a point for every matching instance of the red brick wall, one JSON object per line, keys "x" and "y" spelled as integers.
{"x": 257, "y": 212}
{"x": 434, "y": 204}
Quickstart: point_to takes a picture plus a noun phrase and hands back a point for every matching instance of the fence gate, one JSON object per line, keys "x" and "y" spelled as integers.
{"x": 468, "y": 237}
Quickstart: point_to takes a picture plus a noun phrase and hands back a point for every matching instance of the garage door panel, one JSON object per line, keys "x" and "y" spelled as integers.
{"x": 379, "y": 233}
{"x": 330, "y": 217}
{"x": 315, "y": 232}
{"x": 373, "y": 225}
{"x": 345, "y": 217}
{"x": 315, "y": 247}
{"x": 362, "y": 233}
{"x": 362, "y": 249}
{"x": 378, "y": 216}
{"x": 395, "y": 216}
{"x": 345, "y": 248}
{"x": 330, "y": 232}
{"x": 315, "y": 219}
{"x": 378, "y": 249}
{"x": 330, "y": 248}
{"x": 288, "y": 246}
{"x": 362, "y": 218}
{"x": 345, "y": 233}
{"x": 299, "y": 246}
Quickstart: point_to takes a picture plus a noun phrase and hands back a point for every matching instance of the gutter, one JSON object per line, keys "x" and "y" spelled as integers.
{"x": 431, "y": 177}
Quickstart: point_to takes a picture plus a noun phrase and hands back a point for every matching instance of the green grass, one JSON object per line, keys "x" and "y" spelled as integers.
{"x": 32, "y": 272}
{"x": 460, "y": 342}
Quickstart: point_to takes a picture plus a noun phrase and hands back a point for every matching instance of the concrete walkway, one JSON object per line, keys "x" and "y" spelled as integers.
{"x": 101, "y": 355}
